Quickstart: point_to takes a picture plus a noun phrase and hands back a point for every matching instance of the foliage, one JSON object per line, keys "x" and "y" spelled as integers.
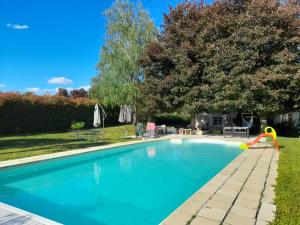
{"x": 225, "y": 57}
{"x": 79, "y": 93}
{"x": 128, "y": 28}
{"x": 77, "y": 125}
{"x": 287, "y": 130}
{"x": 62, "y": 92}
{"x": 33, "y": 113}
{"x": 288, "y": 183}
{"x": 26, "y": 145}
{"x": 174, "y": 119}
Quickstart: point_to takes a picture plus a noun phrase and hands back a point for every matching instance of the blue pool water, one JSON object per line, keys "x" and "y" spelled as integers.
{"x": 137, "y": 184}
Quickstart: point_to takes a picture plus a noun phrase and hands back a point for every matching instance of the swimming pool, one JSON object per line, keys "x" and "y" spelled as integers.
{"x": 135, "y": 184}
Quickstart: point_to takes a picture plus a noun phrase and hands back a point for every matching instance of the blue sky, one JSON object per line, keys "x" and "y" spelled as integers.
{"x": 46, "y": 44}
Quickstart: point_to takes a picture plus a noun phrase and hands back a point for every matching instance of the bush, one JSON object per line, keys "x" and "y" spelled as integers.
{"x": 33, "y": 113}
{"x": 287, "y": 130}
{"x": 176, "y": 120}
{"x": 77, "y": 125}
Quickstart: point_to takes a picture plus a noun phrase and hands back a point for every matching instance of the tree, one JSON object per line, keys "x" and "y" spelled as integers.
{"x": 230, "y": 56}
{"x": 128, "y": 29}
{"x": 62, "y": 92}
{"x": 79, "y": 93}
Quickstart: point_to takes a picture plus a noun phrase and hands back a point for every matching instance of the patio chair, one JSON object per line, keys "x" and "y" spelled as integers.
{"x": 162, "y": 129}
{"x": 152, "y": 134}
{"x": 139, "y": 129}
{"x": 171, "y": 130}
{"x": 151, "y": 131}
{"x": 228, "y": 131}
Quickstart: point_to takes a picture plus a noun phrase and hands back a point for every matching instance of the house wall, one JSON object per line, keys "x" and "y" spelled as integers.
{"x": 210, "y": 121}
{"x": 288, "y": 118}
{"x": 296, "y": 119}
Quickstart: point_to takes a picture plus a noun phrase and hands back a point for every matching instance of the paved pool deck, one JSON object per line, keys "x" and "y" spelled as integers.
{"x": 241, "y": 194}
{"x": 10, "y": 215}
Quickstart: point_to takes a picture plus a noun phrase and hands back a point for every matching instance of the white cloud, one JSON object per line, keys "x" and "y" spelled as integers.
{"x": 68, "y": 89}
{"x": 17, "y": 26}
{"x": 85, "y": 87}
{"x": 35, "y": 89}
{"x": 48, "y": 91}
{"x": 41, "y": 91}
{"x": 60, "y": 80}
{"x": 2, "y": 85}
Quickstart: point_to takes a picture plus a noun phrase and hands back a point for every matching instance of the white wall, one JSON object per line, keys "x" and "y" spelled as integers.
{"x": 284, "y": 119}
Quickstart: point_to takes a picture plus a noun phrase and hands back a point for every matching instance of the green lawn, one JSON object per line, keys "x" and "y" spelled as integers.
{"x": 25, "y": 145}
{"x": 288, "y": 183}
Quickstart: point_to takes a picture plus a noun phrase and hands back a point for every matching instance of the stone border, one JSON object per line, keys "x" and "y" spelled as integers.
{"x": 242, "y": 193}
{"x": 12, "y": 215}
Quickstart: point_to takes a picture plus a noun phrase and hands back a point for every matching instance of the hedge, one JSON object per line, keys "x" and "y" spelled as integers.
{"x": 174, "y": 119}
{"x": 33, "y": 113}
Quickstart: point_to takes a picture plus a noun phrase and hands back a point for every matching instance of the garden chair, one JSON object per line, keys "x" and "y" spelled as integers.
{"x": 151, "y": 131}
{"x": 139, "y": 129}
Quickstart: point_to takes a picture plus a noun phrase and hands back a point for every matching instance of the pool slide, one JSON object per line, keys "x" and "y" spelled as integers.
{"x": 269, "y": 132}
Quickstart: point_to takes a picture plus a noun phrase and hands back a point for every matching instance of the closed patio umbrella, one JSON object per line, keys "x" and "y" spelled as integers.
{"x": 122, "y": 118}
{"x": 128, "y": 114}
{"x": 97, "y": 116}
{"x": 125, "y": 116}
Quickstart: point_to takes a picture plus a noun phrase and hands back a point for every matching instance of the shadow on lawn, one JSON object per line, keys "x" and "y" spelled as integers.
{"x": 53, "y": 145}
{"x": 30, "y": 142}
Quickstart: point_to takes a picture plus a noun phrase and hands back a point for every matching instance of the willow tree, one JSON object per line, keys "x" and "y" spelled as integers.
{"x": 129, "y": 27}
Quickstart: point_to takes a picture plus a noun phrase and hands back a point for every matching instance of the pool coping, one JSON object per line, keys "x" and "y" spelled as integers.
{"x": 15, "y": 215}
{"x": 42, "y": 220}
{"x": 219, "y": 202}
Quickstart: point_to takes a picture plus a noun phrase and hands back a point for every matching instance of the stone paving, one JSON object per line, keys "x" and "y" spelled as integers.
{"x": 10, "y": 215}
{"x": 241, "y": 194}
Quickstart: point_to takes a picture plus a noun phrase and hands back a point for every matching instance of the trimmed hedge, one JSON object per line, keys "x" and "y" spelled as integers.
{"x": 33, "y": 113}
{"x": 176, "y": 120}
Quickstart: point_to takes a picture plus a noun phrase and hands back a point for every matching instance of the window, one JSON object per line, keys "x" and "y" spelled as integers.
{"x": 217, "y": 121}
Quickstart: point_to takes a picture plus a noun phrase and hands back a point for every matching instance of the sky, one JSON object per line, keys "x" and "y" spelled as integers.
{"x": 48, "y": 44}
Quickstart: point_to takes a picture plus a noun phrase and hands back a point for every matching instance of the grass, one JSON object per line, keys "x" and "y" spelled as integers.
{"x": 288, "y": 183}
{"x": 25, "y": 145}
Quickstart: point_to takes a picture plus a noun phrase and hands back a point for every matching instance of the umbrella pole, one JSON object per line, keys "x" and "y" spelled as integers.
{"x": 126, "y": 131}
{"x": 103, "y": 124}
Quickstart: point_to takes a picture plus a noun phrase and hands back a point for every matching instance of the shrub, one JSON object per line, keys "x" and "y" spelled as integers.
{"x": 77, "y": 125}
{"x": 33, "y": 113}
{"x": 216, "y": 132}
{"x": 287, "y": 130}
{"x": 174, "y": 119}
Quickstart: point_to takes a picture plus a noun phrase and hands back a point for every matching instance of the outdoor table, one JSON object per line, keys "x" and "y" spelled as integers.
{"x": 186, "y": 131}
{"x": 241, "y": 131}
